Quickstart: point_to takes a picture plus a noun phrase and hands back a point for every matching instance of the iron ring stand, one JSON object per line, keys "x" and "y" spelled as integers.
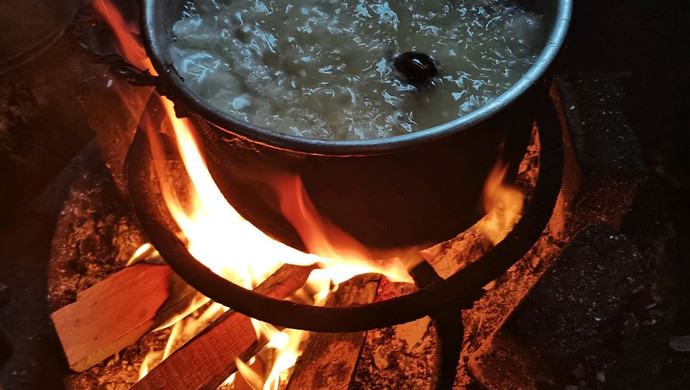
{"x": 438, "y": 298}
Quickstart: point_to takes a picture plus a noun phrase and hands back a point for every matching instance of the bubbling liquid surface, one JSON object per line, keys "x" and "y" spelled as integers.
{"x": 324, "y": 69}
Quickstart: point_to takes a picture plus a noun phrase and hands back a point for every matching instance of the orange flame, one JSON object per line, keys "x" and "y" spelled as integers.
{"x": 126, "y": 34}
{"x": 287, "y": 347}
{"x": 213, "y": 229}
{"x": 503, "y": 205}
{"x": 208, "y": 223}
{"x": 184, "y": 328}
{"x": 342, "y": 257}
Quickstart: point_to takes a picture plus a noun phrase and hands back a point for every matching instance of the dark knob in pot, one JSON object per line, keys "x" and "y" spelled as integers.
{"x": 417, "y": 67}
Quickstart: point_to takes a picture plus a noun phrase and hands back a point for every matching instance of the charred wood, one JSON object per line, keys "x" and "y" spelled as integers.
{"x": 329, "y": 360}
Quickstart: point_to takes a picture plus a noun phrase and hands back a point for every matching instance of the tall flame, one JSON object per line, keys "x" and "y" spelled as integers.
{"x": 341, "y": 256}
{"x": 220, "y": 238}
{"x": 214, "y": 230}
{"x": 216, "y": 234}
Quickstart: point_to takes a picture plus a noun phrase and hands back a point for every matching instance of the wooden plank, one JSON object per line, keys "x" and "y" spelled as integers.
{"x": 209, "y": 358}
{"x": 118, "y": 311}
{"x": 329, "y": 360}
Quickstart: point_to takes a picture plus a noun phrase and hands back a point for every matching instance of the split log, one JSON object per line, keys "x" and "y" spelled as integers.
{"x": 118, "y": 311}
{"x": 209, "y": 358}
{"x": 329, "y": 360}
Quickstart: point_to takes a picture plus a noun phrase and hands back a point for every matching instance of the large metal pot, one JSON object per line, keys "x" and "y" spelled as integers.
{"x": 414, "y": 189}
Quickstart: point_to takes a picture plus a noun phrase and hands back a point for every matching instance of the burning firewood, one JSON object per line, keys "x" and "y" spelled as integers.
{"x": 208, "y": 359}
{"x": 118, "y": 311}
{"x": 329, "y": 359}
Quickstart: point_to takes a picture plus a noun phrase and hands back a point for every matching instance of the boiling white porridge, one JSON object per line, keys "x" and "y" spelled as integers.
{"x": 325, "y": 69}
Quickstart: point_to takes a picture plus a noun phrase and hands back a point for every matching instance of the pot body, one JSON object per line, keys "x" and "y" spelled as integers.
{"x": 413, "y": 196}
{"x": 408, "y": 190}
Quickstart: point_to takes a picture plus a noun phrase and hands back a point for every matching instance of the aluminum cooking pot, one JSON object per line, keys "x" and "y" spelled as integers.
{"x": 414, "y": 189}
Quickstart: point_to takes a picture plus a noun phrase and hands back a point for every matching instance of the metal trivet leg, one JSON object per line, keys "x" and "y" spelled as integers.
{"x": 440, "y": 299}
{"x": 458, "y": 290}
{"x": 449, "y": 331}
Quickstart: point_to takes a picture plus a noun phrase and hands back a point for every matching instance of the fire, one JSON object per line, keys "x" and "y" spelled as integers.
{"x": 208, "y": 223}
{"x": 183, "y": 329}
{"x": 126, "y": 34}
{"x": 214, "y": 231}
{"x": 287, "y": 347}
{"x": 341, "y": 256}
{"x": 221, "y": 239}
{"x": 503, "y": 205}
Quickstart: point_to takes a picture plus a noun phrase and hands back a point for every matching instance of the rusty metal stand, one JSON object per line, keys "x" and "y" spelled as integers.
{"x": 449, "y": 331}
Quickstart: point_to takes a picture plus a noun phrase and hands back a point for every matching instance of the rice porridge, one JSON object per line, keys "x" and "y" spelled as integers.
{"x": 338, "y": 70}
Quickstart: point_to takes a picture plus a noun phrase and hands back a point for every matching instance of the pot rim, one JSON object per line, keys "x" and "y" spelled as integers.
{"x": 230, "y": 126}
